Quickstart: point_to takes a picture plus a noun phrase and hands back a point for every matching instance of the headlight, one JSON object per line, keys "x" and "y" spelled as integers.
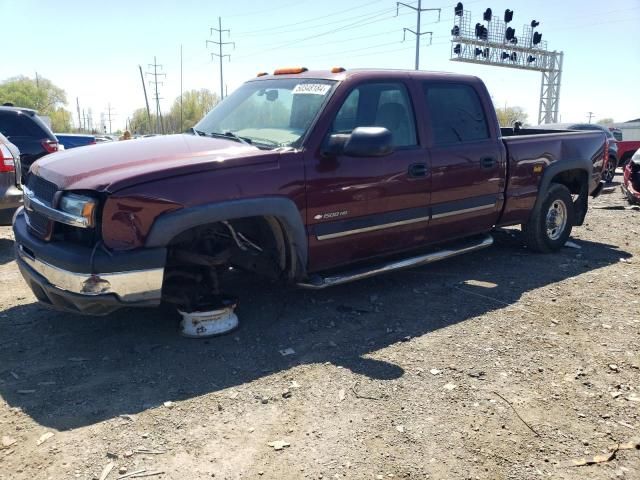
{"x": 79, "y": 205}
{"x": 636, "y": 156}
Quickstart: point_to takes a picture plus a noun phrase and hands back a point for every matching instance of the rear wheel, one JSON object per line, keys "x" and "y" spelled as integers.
{"x": 549, "y": 226}
{"x": 610, "y": 170}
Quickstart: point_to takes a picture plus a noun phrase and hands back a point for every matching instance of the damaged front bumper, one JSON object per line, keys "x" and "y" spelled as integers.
{"x": 86, "y": 280}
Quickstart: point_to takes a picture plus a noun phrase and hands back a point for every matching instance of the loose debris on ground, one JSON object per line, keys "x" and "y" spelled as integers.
{"x": 502, "y": 364}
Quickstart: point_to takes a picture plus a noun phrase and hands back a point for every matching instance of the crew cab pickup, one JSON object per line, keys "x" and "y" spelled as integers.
{"x": 313, "y": 177}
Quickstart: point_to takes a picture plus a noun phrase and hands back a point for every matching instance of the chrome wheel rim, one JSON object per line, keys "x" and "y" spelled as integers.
{"x": 556, "y": 219}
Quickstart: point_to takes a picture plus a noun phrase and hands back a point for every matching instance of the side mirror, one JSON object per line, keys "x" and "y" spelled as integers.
{"x": 362, "y": 142}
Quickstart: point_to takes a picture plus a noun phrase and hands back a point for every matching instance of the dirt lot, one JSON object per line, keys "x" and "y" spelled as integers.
{"x": 499, "y": 365}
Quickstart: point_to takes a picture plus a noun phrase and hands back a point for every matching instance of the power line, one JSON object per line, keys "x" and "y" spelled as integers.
{"x": 220, "y": 44}
{"x": 279, "y": 28}
{"x": 419, "y": 10}
{"x": 367, "y": 20}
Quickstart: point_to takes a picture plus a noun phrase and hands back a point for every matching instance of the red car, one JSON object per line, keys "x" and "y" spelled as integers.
{"x": 631, "y": 179}
{"x": 626, "y": 149}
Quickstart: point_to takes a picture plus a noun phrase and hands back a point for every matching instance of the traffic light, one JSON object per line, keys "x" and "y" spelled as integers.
{"x": 478, "y": 51}
{"x": 531, "y": 59}
{"x": 510, "y": 33}
{"x": 537, "y": 38}
{"x": 508, "y": 15}
{"x": 458, "y": 9}
{"x": 455, "y": 31}
{"x": 483, "y": 52}
{"x": 504, "y": 55}
{"x": 534, "y": 23}
{"x": 487, "y": 15}
{"x": 457, "y": 49}
{"x": 514, "y": 57}
{"x": 481, "y": 31}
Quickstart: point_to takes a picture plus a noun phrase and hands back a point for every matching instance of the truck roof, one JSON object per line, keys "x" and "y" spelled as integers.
{"x": 373, "y": 73}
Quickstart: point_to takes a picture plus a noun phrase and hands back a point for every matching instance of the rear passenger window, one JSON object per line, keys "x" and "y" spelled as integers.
{"x": 18, "y": 125}
{"x": 456, "y": 114}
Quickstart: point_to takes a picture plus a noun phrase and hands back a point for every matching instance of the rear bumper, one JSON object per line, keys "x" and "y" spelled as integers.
{"x": 61, "y": 275}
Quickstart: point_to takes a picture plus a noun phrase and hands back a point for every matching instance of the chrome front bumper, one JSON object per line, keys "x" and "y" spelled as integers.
{"x": 130, "y": 287}
{"x": 88, "y": 280}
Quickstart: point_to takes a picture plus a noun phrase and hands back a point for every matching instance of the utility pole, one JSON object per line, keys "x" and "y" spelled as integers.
{"x": 155, "y": 82}
{"x": 220, "y": 55}
{"x": 109, "y": 115}
{"x": 418, "y": 33}
{"x": 146, "y": 99}
{"x": 79, "y": 118}
{"x": 590, "y": 115}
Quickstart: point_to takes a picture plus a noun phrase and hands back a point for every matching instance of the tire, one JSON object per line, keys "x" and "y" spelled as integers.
{"x": 610, "y": 171}
{"x": 547, "y": 231}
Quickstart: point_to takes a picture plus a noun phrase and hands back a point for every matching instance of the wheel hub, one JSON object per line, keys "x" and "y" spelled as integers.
{"x": 556, "y": 219}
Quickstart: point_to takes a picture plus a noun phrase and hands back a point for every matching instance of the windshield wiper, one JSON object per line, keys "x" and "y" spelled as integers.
{"x": 197, "y": 133}
{"x": 230, "y": 135}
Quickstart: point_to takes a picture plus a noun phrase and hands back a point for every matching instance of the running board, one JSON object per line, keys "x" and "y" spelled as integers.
{"x": 317, "y": 282}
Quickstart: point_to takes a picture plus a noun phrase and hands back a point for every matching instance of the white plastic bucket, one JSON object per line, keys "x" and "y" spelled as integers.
{"x": 208, "y": 323}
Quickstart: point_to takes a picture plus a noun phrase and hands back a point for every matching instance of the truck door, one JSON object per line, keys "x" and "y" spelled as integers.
{"x": 467, "y": 160}
{"x": 360, "y": 207}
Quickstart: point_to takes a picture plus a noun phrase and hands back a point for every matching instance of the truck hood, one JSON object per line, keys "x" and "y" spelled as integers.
{"x": 114, "y": 165}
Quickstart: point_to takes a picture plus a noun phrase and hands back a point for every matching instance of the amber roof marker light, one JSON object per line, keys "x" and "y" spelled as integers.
{"x": 290, "y": 70}
{"x": 338, "y": 70}
{"x": 262, "y": 74}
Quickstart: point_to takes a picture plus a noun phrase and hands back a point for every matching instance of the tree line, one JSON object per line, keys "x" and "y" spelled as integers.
{"x": 51, "y": 101}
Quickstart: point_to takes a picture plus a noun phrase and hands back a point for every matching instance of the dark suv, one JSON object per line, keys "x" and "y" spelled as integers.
{"x": 29, "y": 133}
{"x": 612, "y": 164}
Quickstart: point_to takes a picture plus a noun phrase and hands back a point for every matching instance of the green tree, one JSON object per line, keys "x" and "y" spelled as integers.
{"x": 39, "y": 94}
{"x": 60, "y": 120}
{"x": 195, "y": 105}
{"x": 139, "y": 123}
{"x": 507, "y": 116}
{"x": 605, "y": 121}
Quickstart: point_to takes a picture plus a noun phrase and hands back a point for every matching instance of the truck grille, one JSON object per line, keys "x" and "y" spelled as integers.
{"x": 42, "y": 189}
{"x": 45, "y": 191}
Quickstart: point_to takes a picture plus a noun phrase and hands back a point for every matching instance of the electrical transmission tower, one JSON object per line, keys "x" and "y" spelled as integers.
{"x": 220, "y": 55}
{"x": 418, "y": 33}
{"x": 157, "y": 98}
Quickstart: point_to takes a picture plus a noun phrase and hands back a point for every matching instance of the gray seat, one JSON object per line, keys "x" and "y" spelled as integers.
{"x": 395, "y": 118}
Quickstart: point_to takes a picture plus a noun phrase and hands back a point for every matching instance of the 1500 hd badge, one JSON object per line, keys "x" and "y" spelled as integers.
{"x": 327, "y": 216}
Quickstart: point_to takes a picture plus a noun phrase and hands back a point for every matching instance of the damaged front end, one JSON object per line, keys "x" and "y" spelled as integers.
{"x": 631, "y": 179}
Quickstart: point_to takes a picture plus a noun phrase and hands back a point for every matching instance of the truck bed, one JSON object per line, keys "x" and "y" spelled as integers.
{"x": 531, "y": 147}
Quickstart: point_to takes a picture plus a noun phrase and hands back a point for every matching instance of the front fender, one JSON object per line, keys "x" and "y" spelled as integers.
{"x": 167, "y": 226}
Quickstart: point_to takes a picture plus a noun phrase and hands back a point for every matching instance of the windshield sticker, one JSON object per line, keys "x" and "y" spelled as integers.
{"x": 311, "y": 89}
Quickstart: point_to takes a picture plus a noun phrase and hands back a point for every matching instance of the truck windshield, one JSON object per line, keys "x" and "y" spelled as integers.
{"x": 268, "y": 113}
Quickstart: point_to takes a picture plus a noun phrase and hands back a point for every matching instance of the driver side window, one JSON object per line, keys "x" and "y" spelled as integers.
{"x": 381, "y": 105}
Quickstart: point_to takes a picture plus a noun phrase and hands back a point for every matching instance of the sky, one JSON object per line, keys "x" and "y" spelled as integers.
{"x": 92, "y": 49}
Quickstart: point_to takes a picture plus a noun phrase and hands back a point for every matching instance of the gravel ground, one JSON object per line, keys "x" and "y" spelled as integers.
{"x": 501, "y": 364}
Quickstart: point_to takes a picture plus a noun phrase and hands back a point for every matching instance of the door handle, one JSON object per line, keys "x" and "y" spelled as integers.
{"x": 418, "y": 170}
{"x": 488, "y": 163}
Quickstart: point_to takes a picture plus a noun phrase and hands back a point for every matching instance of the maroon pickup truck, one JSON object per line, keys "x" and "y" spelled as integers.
{"x": 317, "y": 178}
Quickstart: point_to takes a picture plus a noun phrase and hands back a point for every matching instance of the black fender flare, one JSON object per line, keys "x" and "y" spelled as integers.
{"x": 169, "y": 225}
{"x": 559, "y": 167}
